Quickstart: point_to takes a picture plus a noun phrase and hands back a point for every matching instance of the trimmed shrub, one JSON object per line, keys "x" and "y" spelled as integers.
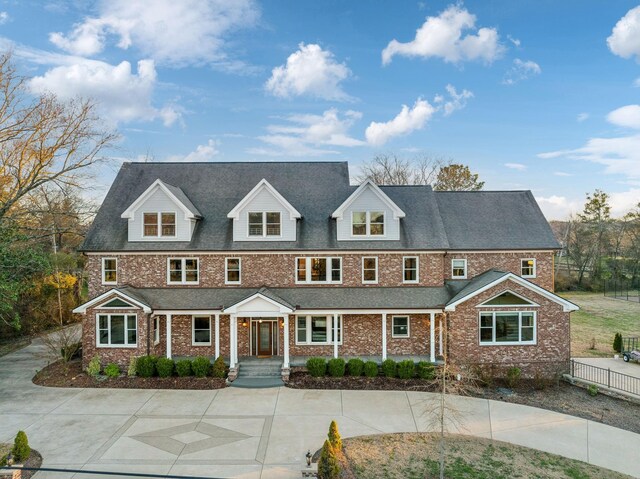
{"x": 219, "y": 369}
{"x": 406, "y": 369}
{"x": 592, "y": 390}
{"x": 426, "y": 370}
{"x": 183, "y": 368}
{"x": 165, "y": 367}
{"x": 513, "y": 376}
{"x": 132, "y": 369}
{"x": 328, "y": 467}
{"x": 112, "y": 370}
{"x": 93, "y": 369}
{"x": 334, "y": 437}
{"x": 200, "y": 366}
{"x": 336, "y": 367}
{"x": 617, "y": 343}
{"x": 389, "y": 368}
{"x": 146, "y": 366}
{"x": 371, "y": 369}
{"x": 317, "y": 367}
{"x": 355, "y": 367}
{"x": 21, "y": 450}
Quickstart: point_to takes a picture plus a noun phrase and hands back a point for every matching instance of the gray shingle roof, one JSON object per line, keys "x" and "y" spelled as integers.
{"x": 434, "y": 220}
{"x": 178, "y": 193}
{"x": 460, "y": 288}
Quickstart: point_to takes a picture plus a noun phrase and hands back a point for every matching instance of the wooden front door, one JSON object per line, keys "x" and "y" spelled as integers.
{"x": 265, "y": 338}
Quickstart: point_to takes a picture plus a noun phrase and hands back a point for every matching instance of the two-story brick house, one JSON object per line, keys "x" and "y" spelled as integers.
{"x": 288, "y": 260}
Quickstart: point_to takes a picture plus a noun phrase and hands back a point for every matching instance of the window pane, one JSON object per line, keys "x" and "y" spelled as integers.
{"x": 486, "y": 335}
{"x": 369, "y": 263}
{"x": 410, "y": 269}
{"x": 507, "y": 327}
{"x": 527, "y": 319}
{"x": 458, "y": 268}
{"x": 191, "y": 270}
{"x": 359, "y": 223}
{"x": 273, "y": 224}
{"x": 339, "y": 335}
{"x": 255, "y": 224}
{"x": 318, "y": 269}
{"x": 377, "y": 223}
{"x": 131, "y": 336}
{"x": 117, "y": 329}
{"x": 103, "y": 327}
{"x": 302, "y": 330}
{"x": 150, "y": 224}
{"x": 301, "y": 268}
{"x": 175, "y": 270}
{"x": 110, "y": 276}
{"x": 201, "y": 323}
{"x": 318, "y": 329}
{"x": 527, "y": 267}
{"x": 369, "y": 275}
{"x": 202, "y": 336}
{"x": 527, "y": 334}
{"x": 233, "y": 276}
{"x": 486, "y": 320}
{"x": 401, "y": 326}
{"x": 336, "y": 269}
{"x": 168, "y": 224}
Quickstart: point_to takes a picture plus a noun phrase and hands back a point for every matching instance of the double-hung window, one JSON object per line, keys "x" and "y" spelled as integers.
{"x": 367, "y": 223}
{"x": 317, "y": 329}
{"x": 232, "y": 271}
{"x": 370, "y": 269}
{"x": 264, "y": 223}
{"x": 116, "y": 330}
{"x": 319, "y": 270}
{"x": 183, "y": 271}
{"x": 459, "y": 268}
{"x": 507, "y": 327}
{"x": 109, "y": 270}
{"x": 400, "y": 327}
{"x": 410, "y": 269}
{"x": 159, "y": 225}
{"x": 201, "y": 331}
{"x": 528, "y": 268}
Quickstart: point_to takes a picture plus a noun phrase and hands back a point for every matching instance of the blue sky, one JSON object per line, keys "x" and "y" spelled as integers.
{"x": 531, "y": 95}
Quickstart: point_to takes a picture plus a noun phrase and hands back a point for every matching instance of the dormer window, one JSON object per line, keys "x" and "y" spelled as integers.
{"x": 163, "y": 223}
{"x": 264, "y": 223}
{"x": 368, "y": 223}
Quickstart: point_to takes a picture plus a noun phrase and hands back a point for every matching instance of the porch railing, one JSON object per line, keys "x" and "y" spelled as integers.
{"x": 605, "y": 377}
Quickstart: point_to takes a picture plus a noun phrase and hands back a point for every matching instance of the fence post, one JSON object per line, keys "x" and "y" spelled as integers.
{"x": 573, "y": 368}
{"x": 609, "y": 377}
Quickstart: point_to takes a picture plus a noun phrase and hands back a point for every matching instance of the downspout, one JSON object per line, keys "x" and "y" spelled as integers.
{"x": 148, "y": 337}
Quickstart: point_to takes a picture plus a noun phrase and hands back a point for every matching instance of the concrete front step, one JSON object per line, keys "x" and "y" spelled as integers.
{"x": 260, "y": 369}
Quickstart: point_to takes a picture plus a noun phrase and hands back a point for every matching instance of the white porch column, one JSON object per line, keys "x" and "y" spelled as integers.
{"x": 432, "y": 330}
{"x": 217, "y": 333}
{"x": 440, "y": 335}
{"x": 384, "y": 336}
{"x": 169, "y": 336}
{"x": 233, "y": 329}
{"x": 335, "y": 334}
{"x": 286, "y": 341}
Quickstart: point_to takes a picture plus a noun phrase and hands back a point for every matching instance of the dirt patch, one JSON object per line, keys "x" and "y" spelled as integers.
{"x": 35, "y": 459}
{"x": 302, "y": 380}
{"x": 409, "y": 456}
{"x": 56, "y": 375}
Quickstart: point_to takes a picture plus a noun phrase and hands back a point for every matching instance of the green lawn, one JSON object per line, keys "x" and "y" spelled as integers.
{"x": 600, "y": 318}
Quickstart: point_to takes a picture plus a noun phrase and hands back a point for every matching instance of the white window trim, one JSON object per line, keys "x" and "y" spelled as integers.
{"x": 465, "y": 268}
{"x": 264, "y": 225}
{"x": 401, "y": 336}
{"x": 308, "y": 341}
{"x": 308, "y": 270}
{"x": 535, "y": 267}
{"x": 193, "y": 330}
{"x": 375, "y": 258}
{"x": 159, "y": 214}
{"x": 508, "y": 343}
{"x": 156, "y": 330}
{"x": 530, "y": 305}
{"x": 103, "y": 270}
{"x": 126, "y": 336}
{"x": 184, "y": 271}
{"x": 104, "y": 305}
{"x": 226, "y": 270}
{"x": 414, "y": 281}
{"x": 368, "y": 225}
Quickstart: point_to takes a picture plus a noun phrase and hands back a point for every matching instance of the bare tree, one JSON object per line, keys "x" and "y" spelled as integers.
{"x": 389, "y": 169}
{"x": 457, "y": 177}
{"x": 43, "y": 141}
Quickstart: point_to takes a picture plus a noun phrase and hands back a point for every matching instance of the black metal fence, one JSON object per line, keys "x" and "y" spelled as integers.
{"x": 605, "y": 377}
{"x": 622, "y": 289}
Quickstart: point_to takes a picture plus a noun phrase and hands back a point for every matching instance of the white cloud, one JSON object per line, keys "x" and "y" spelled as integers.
{"x": 408, "y": 120}
{"x": 4, "y": 18}
{"x": 309, "y": 71}
{"x": 624, "y": 40}
{"x": 443, "y": 36}
{"x": 457, "y": 101}
{"x": 516, "y": 166}
{"x": 624, "y": 201}
{"x": 171, "y": 32}
{"x": 561, "y": 173}
{"x": 636, "y": 83}
{"x": 310, "y": 134}
{"x": 582, "y": 117}
{"x": 521, "y": 70}
{"x": 558, "y": 207}
{"x": 121, "y": 95}
{"x": 626, "y": 116}
{"x": 515, "y": 41}
{"x": 202, "y": 153}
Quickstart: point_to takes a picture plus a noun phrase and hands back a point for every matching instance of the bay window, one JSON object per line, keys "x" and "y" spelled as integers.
{"x": 508, "y": 327}
{"x": 318, "y": 329}
{"x": 319, "y": 270}
{"x": 116, "y": 330}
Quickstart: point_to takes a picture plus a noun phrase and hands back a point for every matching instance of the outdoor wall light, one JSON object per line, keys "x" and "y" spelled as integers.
{"x": 308, "y": 456}
{"x": 244, "y": 322}
{"x": 282, "y": 323}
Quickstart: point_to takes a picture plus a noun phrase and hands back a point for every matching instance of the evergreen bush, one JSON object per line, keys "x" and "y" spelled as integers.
{"x": 513, "y": 376}
{"x": 165, "y": 367}
{"x": 389, "y": 368}
{"x": 183, "y": 368}
{"x": 617, "y": 343}
{"x": 355, "y": 367}
{"x": 112, "y": 370}
{"x": 132, "y": 369}
{"x": 328, "y": 467}
{"x": 336, "y": 367}
{"x": 317, "y": 367}
{"x": 146, "y": 366}
{"x": 21, "y": 450}
{"x": 406, "y": 369}
{"x": 334, "y": 437}
{"x": 219, "y": 369}
{"x": 200, "y": 366}
{"x": 93, "y": 369}
{"x": 426, "y": 370}
{"x": 371, "y": 369}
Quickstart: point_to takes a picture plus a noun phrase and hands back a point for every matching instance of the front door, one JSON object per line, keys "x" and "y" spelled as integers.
{"x": 265, "y": 338}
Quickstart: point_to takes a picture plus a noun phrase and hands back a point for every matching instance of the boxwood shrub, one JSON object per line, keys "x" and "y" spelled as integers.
{"x": 219, "y": 369}
{"x": 336, "y": 367}
{"x": 200, "y": 366}
{"x": 426, "y": 370}
{"x": 355, "y": 367}
{"x": 183, "y": 367}
{"x": 112, "y": 370}
{"x": 406, "y": 369}
{"x": 165, "y": 367}
{"x": 146, "y": 366}
{"x": 389, "y": 368}
{"x": 371, "y": 369}
{"x": 317, "y": 367}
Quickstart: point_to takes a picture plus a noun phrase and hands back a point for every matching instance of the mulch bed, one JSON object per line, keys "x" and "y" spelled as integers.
{"x": 56, "y": 375}
{"x": 35, "y": 460}
{"x": 302, "y": 380}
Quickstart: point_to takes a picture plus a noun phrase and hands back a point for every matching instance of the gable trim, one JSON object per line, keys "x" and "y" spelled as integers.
{"x": 284, "y": 309}
{"x": 263, "y": 184}
{"x": 129, "y": 213}
{"x": 397, "y": 212}
{"x": 531, "y": 304}
{"x": 567, "y": 306}
{"x": 100, "y": 299}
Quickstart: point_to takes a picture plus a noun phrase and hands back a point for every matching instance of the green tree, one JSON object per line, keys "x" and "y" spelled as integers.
{"x": 328, "y": 467}
{"x": 596, "y": 219}
{"x": 334, "y": 436}
{"x": 457, "y": 177}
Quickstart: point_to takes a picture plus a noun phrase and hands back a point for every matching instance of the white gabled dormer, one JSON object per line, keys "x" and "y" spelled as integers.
{"x": 264, "y": 215}
{"x": 162, "y": 213}
{"x": 368, "y": 214}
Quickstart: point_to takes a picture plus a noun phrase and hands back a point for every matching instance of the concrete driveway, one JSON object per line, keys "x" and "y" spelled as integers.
{"x": 261, "y": 433}
{"x": 618, "y": 365}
